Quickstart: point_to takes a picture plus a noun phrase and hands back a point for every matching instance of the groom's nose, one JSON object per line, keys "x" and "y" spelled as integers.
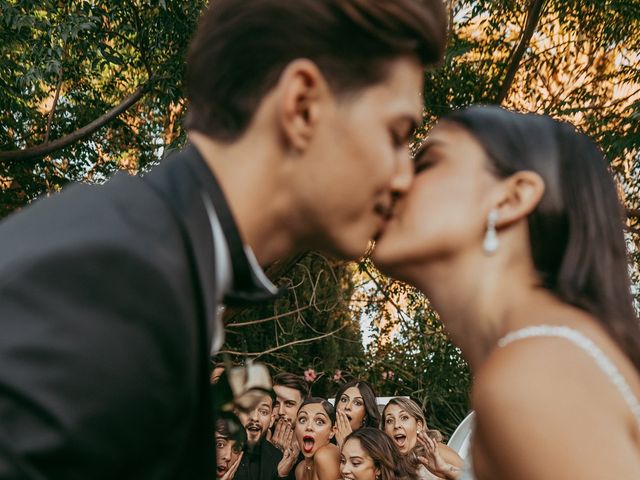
{"x": 403, "y": 176}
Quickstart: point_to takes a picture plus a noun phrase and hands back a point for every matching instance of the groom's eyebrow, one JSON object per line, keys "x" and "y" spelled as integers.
{"x": 410, "y": 122}
{"x": 414, "y": 123}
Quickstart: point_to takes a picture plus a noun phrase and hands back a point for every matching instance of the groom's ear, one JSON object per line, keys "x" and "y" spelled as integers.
{"x": 521, "y": 194}
{"x": 303, "y": 92}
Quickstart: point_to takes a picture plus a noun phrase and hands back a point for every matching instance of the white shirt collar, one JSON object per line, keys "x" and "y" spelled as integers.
{"x": 224, "y": 272}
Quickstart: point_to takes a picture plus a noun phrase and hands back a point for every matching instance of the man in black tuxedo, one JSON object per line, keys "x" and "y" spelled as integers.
{"x": 262, "y": 460}
{"x": 299, "y": 119}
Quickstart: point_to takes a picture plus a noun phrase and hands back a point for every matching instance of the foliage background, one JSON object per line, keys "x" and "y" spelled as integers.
{"x": 88, "y": 87}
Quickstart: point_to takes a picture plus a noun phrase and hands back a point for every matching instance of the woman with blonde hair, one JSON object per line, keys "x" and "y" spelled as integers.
{"x": 404, "y": 422}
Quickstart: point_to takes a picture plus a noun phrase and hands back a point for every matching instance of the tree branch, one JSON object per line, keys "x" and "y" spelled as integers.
{"x": 533, "y": 17}
{"x": 48, "y": 148}
{"x": 633, "y": 230}
{"x": 142, "y": 48}
{"x": 275, "y": 317}
{"x": 53, "y": 106}
{"x": 7, "y": 87}
{"x": 280, "y": 347}
{"x": 402, "y": 314}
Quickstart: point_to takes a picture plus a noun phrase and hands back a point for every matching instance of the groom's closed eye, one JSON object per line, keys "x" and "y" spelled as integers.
{"x": 402, "y": 130}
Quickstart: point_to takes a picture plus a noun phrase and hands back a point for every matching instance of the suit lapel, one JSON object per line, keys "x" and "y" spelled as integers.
{"x": 247, "y": 287}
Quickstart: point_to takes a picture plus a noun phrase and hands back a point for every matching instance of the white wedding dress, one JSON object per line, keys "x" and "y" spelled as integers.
{"x": 577, "y": 338}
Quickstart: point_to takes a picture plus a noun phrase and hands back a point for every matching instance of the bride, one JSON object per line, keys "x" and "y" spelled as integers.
{"x": 513, "y": 230}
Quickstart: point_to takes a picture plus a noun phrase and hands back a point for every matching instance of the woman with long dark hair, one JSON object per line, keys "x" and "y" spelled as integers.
{"x": 356, "y": 407}
{"x": 369, "y": 454}
{"x": 514, "y": 231}
{"x": 314, "y": 429}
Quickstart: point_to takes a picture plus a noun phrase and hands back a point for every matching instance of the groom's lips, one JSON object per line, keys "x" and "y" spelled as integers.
{"x": 383, "y": 210}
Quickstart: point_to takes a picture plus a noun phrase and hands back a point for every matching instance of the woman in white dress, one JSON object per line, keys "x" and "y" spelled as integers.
{"x": 514, "y": 231}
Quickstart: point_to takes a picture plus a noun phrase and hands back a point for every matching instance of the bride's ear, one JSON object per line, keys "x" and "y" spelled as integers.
{"x": 522, "y": 193}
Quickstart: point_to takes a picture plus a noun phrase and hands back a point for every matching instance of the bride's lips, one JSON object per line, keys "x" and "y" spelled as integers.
{"x": 384, "y": 210}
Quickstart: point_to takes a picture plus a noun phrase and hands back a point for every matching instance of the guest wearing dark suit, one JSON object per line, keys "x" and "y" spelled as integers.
{"x": 299, "y": 119}
{"x": 261, "y": 459}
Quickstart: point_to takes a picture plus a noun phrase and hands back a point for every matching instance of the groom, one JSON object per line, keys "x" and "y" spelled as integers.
{"x": 299, "y": 119}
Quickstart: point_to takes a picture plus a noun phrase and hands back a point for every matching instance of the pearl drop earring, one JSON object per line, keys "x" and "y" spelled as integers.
{"x": 491, "y": 242}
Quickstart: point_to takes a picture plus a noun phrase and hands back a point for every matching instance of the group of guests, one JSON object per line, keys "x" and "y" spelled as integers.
{"x": 290, "y": 434}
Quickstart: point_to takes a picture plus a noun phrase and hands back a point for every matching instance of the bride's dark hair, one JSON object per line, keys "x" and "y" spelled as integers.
{"x": 576, "y": 232}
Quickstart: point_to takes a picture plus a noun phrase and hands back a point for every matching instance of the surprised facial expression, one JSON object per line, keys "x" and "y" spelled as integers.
{"x": 226, "y": 454}
{"x": 352, "y": 404}
{"x": 257, "y": 422}
{"x": 401, "y": 427}
{"x": 313, "y": 428}
{"x": 288, "y": 400}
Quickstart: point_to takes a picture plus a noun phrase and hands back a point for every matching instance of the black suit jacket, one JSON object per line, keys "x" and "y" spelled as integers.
{"x": 106, "y": 294}
{"x": 259, "y": 464}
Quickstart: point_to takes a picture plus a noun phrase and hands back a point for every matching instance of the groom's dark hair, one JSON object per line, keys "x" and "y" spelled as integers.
{"x": 242, "y": 46}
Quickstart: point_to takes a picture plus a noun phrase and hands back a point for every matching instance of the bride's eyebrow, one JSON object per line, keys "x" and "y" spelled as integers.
{"x": 426, "y": 146}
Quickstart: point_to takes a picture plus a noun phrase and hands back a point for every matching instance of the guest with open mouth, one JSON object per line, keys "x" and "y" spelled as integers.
{"x": 356, "y": 407}
{"x": 315, "y": 427}
{"x": 257, "y": 422}
{"x": 262, "y": 460}
{"x": 405, "y": 423}
{"x": 228, "y": 452}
